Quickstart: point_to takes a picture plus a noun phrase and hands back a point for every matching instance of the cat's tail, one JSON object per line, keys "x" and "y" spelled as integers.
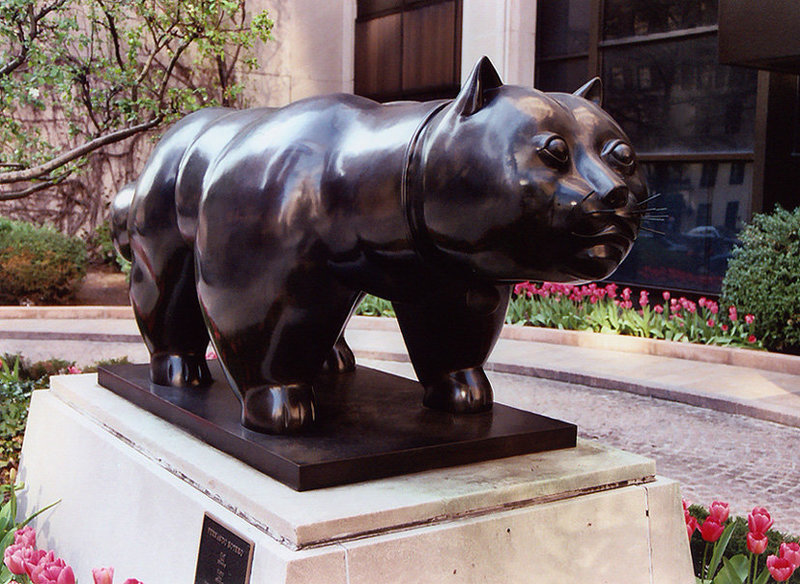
{"x": 120, "y": 209}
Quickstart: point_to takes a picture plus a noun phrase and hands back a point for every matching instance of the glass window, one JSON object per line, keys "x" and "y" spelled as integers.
{"x": 562, "y": 27}
{"x": 628, "y": 18}
{"x": 565, "y": 76}
{"x": 691, "y": 247}
{"x": 673, "y": 97}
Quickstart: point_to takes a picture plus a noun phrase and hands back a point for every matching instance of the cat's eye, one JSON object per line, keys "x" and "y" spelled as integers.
{"x": 620, "y": 154}
{"x": 554, "y": 151}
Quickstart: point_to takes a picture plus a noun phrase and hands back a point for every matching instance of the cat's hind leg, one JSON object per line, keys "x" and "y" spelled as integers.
{"x": 163, "y": 294}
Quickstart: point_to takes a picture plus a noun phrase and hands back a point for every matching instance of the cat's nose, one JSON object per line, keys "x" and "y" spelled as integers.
{"x": 616, "y": 197}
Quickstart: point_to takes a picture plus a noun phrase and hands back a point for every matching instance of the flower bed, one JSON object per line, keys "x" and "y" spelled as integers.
{"x": 606, "y": 309}
{"x": 736, "y": 547}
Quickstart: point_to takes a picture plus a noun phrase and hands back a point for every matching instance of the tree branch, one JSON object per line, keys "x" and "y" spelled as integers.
{"x": 75, "y": 153}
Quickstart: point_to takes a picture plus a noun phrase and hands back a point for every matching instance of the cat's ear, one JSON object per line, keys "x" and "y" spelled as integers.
{"x": 593, "y": 91}
{"x": 471, "y": 97}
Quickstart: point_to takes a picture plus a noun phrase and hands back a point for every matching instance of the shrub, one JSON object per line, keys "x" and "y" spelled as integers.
{"x": 38, "y": 264}
{"x": 100, "y": 246}
{"x": 374, "y": 306}
{"x": 15, "y": 396}
{"x": 763, "y": 278}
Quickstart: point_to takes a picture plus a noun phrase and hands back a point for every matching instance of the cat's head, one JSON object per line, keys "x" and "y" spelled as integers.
{"x": 511, "y": 183}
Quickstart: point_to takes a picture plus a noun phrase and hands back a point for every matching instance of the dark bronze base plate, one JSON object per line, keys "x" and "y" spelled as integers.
{"x": 370, "y": 425}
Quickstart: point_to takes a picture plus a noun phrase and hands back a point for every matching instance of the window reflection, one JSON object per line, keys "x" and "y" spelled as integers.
{"x": 627, "y": 18}
{"x": 705, "y": 208}
{"x": 565, "y": 76}
{"x": 674, "y": 97}
{"x": 562, "y": 27}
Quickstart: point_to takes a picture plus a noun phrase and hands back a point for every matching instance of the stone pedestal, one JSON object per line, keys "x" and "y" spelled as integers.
{"x": 134, "y": 491}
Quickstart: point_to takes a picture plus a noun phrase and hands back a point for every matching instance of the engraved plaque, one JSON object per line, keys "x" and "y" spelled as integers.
{"x": 223, "y": 557}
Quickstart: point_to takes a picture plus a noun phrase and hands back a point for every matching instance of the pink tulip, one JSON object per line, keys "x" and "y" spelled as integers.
{"x": 749, "y": 318}
{"x": 710, "y": 322}
{"x": 759, "y": 520}
{"x": 132, "y": 581}
{"x": 780, "y": 568}
{"x": 658, "y": 308}
{"x": 52, "y": 570}
{"x": 756, "y": 542}
{"x": 791, "y": 551}
{"x": 751, "y": 339}
{"x": 733, "y": 314}
{"x": 26, "y": 536}
{"x": 719, "y": 511}
{"x": 724, "y": 327}
{"x": 103, "y": 575}
{"x": 19, "y": 558}
{"x": 711, "y": 530}
{"x": 14, "y": 558}
{"x": 665, "y": 295}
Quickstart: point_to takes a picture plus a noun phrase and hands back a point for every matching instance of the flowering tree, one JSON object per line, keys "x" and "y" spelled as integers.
{"x": 102, "y": 71}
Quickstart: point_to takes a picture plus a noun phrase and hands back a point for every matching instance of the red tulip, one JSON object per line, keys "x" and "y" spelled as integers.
{"x": 711, "y": 530}
{"x": 756, "y": 542}
{"x": 780, "y": 568}
{"x": 791, "y": 551}
{"x": 719, "y": 511}
{"x": 751, "y": 339}
{"x": 759, "y": 520}
{"x": 691, "y": 525}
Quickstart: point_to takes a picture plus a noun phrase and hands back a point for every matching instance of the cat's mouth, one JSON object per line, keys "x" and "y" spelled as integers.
{"x": 600, "y": 252}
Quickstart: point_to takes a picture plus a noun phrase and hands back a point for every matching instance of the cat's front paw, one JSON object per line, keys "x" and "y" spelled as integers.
{"x": 279, "y": 409}
{"x": 467, "y": 391}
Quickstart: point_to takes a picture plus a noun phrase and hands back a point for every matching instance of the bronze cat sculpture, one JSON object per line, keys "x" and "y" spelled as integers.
{"x": 263, "y": 228}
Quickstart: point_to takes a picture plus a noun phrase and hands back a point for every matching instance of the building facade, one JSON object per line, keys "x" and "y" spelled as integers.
{"x": 717, "y": 142}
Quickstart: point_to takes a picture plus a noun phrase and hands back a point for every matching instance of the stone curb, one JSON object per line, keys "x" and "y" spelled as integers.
{"x": 65, "y": 312}
{"x": 754, "y": 359}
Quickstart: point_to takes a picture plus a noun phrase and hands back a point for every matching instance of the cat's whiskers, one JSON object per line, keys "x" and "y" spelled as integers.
{"x": 648, "y": 199}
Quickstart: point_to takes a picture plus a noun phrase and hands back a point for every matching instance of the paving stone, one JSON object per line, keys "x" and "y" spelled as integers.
{"x": 714, "y": 455}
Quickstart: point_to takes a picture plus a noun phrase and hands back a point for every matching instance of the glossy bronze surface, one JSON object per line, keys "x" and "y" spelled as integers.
{"x": 263, "y": 228}
{"x": 371, "y": 425}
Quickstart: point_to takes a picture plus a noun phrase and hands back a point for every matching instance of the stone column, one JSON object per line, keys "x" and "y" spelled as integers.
{"x": 505, "y": 31}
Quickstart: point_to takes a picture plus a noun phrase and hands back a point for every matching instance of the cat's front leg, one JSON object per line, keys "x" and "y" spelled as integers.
{"x": 449, "y": 342}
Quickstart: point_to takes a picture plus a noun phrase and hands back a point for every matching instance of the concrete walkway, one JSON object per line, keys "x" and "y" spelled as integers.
{"x": 752, "y": 383}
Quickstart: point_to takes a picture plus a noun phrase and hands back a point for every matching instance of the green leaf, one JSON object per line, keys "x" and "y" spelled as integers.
{"x": 719, "y": 548}
{"x": 734, "y": 571}
{"x": 6, "y": 517}
{"x": 39, "y": 512}
{"x": 762, "y": 577}
{"x": 7, "y": 540}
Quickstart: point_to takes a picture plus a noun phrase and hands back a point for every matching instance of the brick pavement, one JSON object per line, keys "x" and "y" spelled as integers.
{"x": 714, "y": 455}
